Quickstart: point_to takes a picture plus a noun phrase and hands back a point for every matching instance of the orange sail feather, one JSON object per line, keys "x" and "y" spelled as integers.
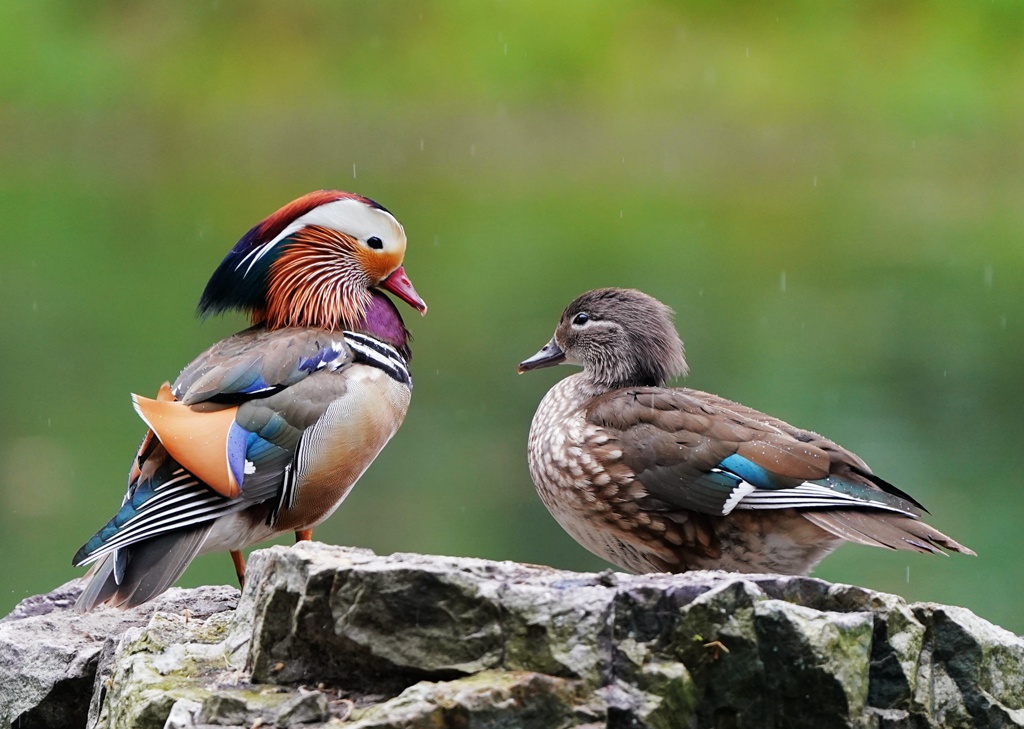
{"x": 197, "y": 439}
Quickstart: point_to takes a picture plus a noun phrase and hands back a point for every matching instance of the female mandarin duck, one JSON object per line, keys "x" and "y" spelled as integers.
{"x": 658, "y": 479}
{"x": 267, "y": 431}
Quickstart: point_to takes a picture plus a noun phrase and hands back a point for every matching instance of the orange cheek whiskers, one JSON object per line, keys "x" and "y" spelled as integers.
{"x": 318, "y": 281}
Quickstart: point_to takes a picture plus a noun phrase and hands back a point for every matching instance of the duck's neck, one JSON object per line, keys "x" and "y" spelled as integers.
{"x": 570, "y": 394}
{"x": 597, "y": 380}
{"x": 382, "y": 320}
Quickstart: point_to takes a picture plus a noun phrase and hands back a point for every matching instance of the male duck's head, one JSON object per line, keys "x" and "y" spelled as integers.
{"x": 313, "y": 263}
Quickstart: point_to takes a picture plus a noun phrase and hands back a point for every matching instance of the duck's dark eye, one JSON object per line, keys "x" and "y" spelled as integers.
{"x": 581, "y": 319}
{"x": 375, "y": 243}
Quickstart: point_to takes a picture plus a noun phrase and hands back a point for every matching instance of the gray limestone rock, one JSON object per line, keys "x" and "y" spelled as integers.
{"x": 49, "y": 654}
{"x": 327, "y": 636}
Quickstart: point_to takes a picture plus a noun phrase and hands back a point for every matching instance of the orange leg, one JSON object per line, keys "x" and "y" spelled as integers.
{"x": 239, "y": 559}
{"x": 303, "y": 535}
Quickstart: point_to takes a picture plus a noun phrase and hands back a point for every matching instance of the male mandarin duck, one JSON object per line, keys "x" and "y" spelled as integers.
{"x": 266, "y": 431}
{"x": 660, "y": 479}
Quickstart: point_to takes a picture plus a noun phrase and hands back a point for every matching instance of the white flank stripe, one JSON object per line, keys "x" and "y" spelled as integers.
{"x": 378, "y": 354}
{"x": 808, "y": 495}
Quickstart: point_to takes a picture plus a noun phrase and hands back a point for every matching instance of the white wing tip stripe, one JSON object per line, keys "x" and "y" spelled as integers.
{"x": 169, "y": 508}
{"x": 736, "y": 496}
{"x": 806, "y": 495}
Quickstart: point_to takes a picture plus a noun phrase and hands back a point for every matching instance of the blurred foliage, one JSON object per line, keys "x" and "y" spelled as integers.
{"x": 829, "y": 196}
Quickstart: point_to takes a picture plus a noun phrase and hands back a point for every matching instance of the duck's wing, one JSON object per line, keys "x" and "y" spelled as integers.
{"x": 224, "y": 437}
{"x": 705, "y": 454}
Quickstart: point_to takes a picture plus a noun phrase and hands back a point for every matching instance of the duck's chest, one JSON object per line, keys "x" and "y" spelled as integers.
{"x": 335, "y": 451}
{"x": 561, "y": 443}
{"x": 576, "y": 466}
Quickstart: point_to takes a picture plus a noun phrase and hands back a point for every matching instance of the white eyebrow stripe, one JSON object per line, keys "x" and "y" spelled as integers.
{"x": 354, "y": 217}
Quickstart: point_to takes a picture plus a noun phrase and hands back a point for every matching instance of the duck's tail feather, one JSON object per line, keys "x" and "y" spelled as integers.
{"x": 151, "y": 567}
{"x": 885, "y": 529}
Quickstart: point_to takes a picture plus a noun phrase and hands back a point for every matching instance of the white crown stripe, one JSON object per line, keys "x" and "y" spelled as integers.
{"x": 258, "y": 253}
{"x": 251, "y": 255}
{"x": 353, "y": 216}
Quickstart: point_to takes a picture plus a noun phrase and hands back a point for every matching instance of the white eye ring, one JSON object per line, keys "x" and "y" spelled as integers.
{"x": 581, "y": 319}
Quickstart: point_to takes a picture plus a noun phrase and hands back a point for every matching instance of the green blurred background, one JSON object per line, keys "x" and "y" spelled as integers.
{"x": 831, "y": 197}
